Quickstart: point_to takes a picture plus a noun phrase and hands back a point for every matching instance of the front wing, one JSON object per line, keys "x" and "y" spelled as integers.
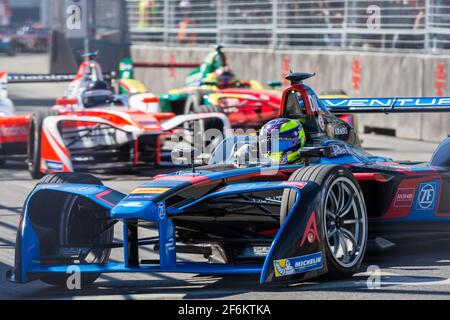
{"x": 290, "y": 257}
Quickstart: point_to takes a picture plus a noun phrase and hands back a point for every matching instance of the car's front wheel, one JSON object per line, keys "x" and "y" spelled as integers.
{"x": 82, "y": 232}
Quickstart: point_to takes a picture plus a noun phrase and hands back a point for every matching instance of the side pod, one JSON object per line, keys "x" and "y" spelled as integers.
{"x": 298, "y": 252}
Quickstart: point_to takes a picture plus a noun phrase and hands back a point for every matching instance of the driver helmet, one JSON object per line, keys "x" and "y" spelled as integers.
{"x": 97, "y": 93}
{"x": 225, "y": 78}
{"x": 280, "y": 140}
{"x": 211, "y": 78}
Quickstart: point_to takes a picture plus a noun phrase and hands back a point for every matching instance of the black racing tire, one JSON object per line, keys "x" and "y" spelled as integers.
{"x": 35, "y": 141}
{"x": 334, "y": 178}
{"x": 2, "y": 162}
{"x": 70, "y": 177}
{"x": 74, "y": 226}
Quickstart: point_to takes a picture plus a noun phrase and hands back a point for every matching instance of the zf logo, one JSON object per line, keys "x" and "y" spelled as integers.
{"x": 427, "y": 196}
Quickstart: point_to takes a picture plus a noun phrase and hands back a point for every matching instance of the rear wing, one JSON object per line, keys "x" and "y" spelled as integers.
{"x": 47, "y": 78}
{"x": 387, "y": 105}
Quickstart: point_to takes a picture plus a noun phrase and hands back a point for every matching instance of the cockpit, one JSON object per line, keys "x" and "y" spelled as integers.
{"x": 299, "y": 104}
{"x": 295, "y": 106}
{"x": 247, "y": 151}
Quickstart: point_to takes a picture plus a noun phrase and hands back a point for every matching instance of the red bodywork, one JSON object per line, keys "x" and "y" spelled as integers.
{"x": 139, "y": 119}
{"x": 146, "y": 124}
{"x": 14, "y": 129}
{"x": 253, "y": 109}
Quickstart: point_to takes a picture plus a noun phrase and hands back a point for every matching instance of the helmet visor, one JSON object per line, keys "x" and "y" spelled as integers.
{"x": 279, "y": 144}
{"x": 94, "y": 99}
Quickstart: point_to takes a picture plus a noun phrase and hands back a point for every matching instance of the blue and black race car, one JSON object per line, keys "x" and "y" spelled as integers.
{"x": 259, "y": 208}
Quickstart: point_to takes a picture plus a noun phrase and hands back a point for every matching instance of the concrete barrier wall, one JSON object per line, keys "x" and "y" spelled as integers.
{"x": 358, "y": 74}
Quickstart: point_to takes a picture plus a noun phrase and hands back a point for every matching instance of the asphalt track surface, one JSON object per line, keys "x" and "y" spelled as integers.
{"x": 416, "y": 272}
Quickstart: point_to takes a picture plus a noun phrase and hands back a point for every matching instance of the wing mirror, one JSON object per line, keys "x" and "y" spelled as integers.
{"x": 313, "y": 152}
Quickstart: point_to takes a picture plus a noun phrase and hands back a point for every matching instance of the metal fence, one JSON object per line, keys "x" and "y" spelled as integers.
{"x": 382, "y": 25}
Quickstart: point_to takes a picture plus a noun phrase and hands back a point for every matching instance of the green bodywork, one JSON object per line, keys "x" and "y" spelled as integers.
{"x": 196, "y": 80}
{"x": 213, "y": 61}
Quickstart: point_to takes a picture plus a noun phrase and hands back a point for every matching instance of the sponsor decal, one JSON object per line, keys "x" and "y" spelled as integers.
{"x": 388, "y": 102}
{"x": 13, "y": 131}
{"x": 321, "y": 122}
{"x": 427, "y": 195}
{"x": 311, "y": 234}
{"x": 260, "y": 251}
{"x": 54, "y": 165}
{"x": 404, "y": 197}
{"x": 150, "y": 190}
{"x": 86, "y": 189}
{"x": 314, "y": 105}
{"x": 291, "y": 266}
{"x": 131, "y": 204}
{"x": 339, "y": 150}
{"x": 142, "y": 197}
{"x": 144, "y": 123}
{"x": 341, "y": 131}
{"x": 275, "y": 199}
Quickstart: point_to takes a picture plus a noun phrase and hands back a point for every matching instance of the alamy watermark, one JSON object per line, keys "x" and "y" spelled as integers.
{"x": 374, "y": 280}
{"x": 73, "y": 281}
{"x": 374, "y": 18}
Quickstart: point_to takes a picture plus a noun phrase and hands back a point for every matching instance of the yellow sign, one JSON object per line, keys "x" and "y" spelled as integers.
{"x": 150, "y": 190}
